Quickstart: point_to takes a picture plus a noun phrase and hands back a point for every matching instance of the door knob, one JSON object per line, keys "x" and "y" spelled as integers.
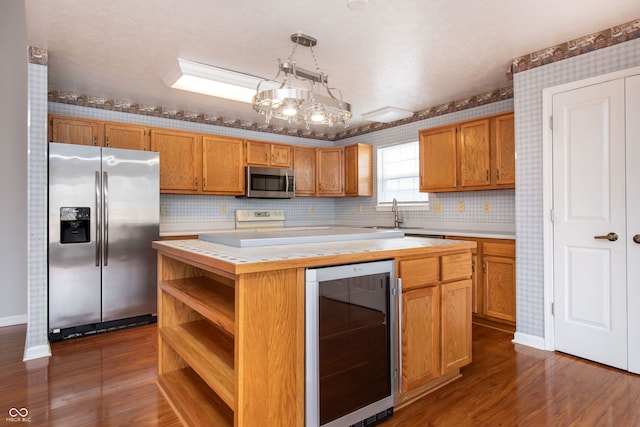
{"x": 612, "y": 237}
{"x": 636, "y": 238}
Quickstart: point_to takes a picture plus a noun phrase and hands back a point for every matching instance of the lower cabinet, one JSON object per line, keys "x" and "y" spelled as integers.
{"x": 494, "y": 282}
{"x": 435, "y": 315}
{"x": 420, "y": 337}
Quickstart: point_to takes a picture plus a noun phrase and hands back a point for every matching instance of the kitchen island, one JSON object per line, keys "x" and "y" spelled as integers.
{"x": 231, "y": 322}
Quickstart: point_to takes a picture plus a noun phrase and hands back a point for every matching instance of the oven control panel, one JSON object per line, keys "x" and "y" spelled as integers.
{"x": 259, "y": 218}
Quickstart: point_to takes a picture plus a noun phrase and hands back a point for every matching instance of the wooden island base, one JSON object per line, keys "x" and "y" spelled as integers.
{"x": 231, "y": 331}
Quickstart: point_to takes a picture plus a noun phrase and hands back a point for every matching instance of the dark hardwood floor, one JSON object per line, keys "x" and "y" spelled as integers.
{"x": 109, "y": 380}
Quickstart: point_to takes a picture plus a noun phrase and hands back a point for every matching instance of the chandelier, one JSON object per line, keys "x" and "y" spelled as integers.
{"x": 298, "y": 104}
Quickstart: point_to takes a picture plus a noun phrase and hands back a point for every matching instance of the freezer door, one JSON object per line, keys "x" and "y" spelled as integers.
{"x": 131, "y": 187}
{"x": 74, "y": 267}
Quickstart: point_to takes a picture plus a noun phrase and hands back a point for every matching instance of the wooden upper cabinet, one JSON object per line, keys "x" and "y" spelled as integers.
{"x": 222, "y": 165}
{"x": 438, "y": 159}
{"x": 180, "y": 160}
{"x": 330, "y": 172}
{"x": 474, "y": 155}
{"x": 504, "y": 151}
{"x": 304, "y": 165}
{"x": 281, "y": 156}
{"x": 260, "y": 153}
{"x": 126, "y": 136}
{"x": 358, "y": 170}
{"x": 72, "y": 130}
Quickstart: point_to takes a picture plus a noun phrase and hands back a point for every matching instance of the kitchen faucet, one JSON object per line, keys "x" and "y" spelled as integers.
{"x": 396, "y": 220}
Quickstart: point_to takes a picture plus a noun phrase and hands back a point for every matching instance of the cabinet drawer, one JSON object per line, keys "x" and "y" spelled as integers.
{"x": 506, "y": 249}
{"x": 457, "y": 266}
{"x": 419, "y": 272}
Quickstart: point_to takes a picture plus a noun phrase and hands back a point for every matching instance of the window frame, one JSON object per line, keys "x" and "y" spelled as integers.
{"x": 406, "y": 205}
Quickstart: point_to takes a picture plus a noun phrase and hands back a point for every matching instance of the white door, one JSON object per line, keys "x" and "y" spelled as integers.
{"x": 633, "y": 219}
{"x": 590, "y": 269}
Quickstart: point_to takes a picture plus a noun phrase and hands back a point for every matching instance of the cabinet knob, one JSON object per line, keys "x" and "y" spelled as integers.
{"x": 636, "y": 238}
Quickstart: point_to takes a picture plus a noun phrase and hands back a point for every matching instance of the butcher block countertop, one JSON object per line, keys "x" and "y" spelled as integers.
{"x": 235, "y": 261}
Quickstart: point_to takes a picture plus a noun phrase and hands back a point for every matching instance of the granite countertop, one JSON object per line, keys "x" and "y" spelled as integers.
{"x": 237, "y": 260}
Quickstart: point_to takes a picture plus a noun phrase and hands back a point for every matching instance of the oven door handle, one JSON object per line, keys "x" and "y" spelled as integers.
{"x": 399, "y": 294}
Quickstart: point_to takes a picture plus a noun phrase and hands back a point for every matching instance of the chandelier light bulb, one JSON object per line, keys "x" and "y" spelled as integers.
{"x": 290, "y": 108}
{"x": 317, "y": 116}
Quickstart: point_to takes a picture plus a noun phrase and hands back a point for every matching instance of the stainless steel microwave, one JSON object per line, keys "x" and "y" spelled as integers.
{"x": 270, "y": 183}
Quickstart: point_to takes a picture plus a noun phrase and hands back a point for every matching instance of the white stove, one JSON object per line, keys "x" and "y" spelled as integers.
{"x": 255, "y": 228}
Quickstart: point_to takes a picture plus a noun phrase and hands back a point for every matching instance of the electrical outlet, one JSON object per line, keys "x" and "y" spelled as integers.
{"x": 460, "y": 206}
{"x": 359, "y": 208}
{"x": 486, "y": 207}
{"x": 312, "y": 209}
{"x": 437, "y": 207}
{"x": 223, "y": 209}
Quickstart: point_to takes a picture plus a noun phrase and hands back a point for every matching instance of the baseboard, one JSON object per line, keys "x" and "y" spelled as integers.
{"x": 529, "y": 340}
{"x": 13, "y": 320}
{"x": 36, "y": 352}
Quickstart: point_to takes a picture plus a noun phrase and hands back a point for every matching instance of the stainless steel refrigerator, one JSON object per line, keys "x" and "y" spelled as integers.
{"x": 103, "y": 215}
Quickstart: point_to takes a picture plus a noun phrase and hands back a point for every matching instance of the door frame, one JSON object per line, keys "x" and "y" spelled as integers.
{"x": 547, "y": 187}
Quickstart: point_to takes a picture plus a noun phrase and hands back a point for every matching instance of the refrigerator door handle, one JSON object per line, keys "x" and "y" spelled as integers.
{"x": 105, "y": 189}
{"x": 98, "y": 209}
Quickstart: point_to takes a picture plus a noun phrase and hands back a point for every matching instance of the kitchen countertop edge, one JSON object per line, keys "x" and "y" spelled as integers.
{"x": 234, "y": 261}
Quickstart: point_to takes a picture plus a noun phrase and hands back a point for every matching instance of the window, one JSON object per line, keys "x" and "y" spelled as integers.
{"x": 399, "y": 176}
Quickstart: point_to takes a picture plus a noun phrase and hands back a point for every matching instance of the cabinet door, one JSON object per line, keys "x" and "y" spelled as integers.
{"x": 456, "y": 325}
{"x": 280, "y": 155}
{"x": 180, "y": 160}
{"x": 304, "y": 164}
{"x": 130, "y": 137}
{"x": 420, "y": 340}
{"x": 76, "y": 131}
{"x": 438, "y": 159}
{"x": 258, "y": 153}
{"x": 499, "y": 286}
{"x": 330, "y": 170}
{"x": 222, "y": 165}
{"x": 474, "y": 154}
{"x": 358, "y": 170}
{"x": 504, "y": 151}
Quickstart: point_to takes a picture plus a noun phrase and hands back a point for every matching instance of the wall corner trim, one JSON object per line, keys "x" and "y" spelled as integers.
{"x": 529, "y": 341}
{"x": 36, "y": 352}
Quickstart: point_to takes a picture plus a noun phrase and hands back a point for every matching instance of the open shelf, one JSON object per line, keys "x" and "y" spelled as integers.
{"x": 208, "y": 351}
{"x": 213, "y": 300}
{"x": 193, "y": 401}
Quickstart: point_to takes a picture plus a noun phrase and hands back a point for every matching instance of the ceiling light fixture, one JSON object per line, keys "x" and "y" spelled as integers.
{"x": 213, "y": 81}
{"x": 297, "y": 104}
{"x": 387, "y": 115}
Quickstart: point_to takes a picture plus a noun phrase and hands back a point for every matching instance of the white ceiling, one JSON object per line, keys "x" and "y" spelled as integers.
{"x": 411, "y": 54}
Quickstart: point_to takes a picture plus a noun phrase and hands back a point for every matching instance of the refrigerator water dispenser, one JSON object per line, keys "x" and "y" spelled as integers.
{"x": 75, "y": 225}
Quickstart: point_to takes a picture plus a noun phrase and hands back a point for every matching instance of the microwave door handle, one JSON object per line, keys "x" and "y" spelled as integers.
{"x": 286, "y": 183}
